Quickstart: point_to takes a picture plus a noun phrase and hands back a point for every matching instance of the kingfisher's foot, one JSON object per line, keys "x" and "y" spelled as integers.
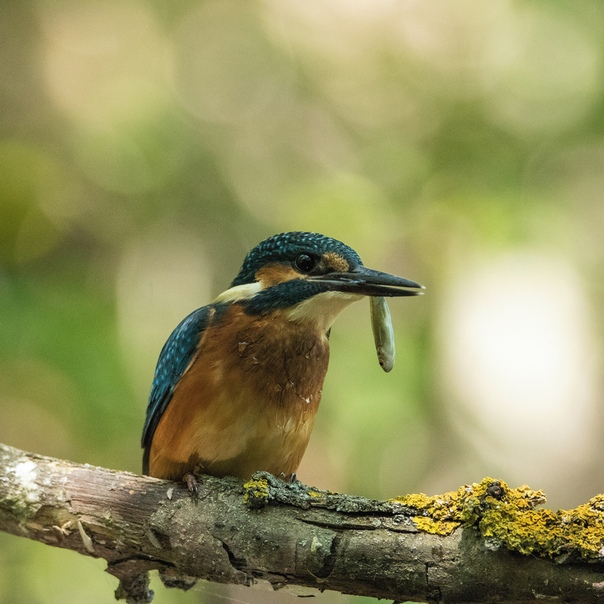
{"x": 288, "y": 477}
{"x": 192, "y": 484}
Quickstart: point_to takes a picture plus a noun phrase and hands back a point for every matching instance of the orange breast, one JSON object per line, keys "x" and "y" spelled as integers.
{"x": 247, "y": 402}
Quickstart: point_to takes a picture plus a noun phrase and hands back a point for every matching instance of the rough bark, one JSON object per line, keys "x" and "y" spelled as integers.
{"x": 458, "y": 547}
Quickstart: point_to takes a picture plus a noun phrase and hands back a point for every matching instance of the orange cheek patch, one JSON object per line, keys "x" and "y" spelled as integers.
{"x": 272, "y": 274}
{"x": 336, "y": 262}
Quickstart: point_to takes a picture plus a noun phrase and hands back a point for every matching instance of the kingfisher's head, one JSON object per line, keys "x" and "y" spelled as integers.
{"x": 309, "y": 276}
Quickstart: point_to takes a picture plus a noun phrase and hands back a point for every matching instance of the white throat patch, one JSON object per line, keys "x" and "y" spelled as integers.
{"x": 322, "y": 309}
{"x": 239, "y": 292}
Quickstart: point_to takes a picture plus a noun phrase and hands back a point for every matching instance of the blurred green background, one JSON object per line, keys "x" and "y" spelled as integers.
{"x": 146, "y": 147}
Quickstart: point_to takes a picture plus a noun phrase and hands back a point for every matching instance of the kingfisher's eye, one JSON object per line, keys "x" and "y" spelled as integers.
{"x": 305, "y": 263}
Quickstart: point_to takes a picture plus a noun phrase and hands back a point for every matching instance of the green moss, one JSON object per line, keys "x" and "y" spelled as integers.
{"x": 256, "y": 493}
{"x": 510, "y": 518}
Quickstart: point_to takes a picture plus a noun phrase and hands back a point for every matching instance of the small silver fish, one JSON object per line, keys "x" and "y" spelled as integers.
{"x": 383, "y": 332}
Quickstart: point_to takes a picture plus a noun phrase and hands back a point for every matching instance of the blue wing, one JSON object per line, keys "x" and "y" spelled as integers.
{"x": 173, "y": 361}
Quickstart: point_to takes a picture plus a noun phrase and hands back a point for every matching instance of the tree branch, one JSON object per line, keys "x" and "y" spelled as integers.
{"x": 465, "y": 546}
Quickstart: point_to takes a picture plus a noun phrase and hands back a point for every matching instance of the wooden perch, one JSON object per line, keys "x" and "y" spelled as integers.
{"x": 483, "y": 543}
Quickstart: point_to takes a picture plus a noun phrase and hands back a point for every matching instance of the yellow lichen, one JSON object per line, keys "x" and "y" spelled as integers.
{"x": 429, "y": 525}
{"x": 510, "y": 518}
{"x": 256, "y": 493}
{"x": 529, "y": 531}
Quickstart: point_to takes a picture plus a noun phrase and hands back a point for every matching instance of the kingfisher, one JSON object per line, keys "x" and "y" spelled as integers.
{"x": 238, "y": 382}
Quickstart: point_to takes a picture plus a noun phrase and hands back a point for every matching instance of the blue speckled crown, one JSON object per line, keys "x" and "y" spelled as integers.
{"x": 284, "y": 247}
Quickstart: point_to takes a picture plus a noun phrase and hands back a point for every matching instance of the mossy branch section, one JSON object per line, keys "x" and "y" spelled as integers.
{"x": 483, "y": 543}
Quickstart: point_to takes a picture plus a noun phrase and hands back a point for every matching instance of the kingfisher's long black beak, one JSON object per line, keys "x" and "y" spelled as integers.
{"x": 368, "y": 282}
